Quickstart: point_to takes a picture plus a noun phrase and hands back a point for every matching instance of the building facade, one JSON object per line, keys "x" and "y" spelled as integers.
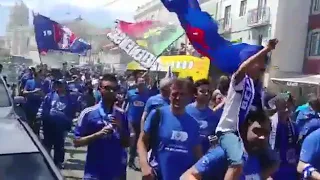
{"x": 295, "y": 23}
{"x": 18, "y": 30}
{"x": 312, "y": 58}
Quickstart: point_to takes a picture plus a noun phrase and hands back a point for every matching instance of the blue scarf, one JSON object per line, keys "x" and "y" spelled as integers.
{"x": 275, "y": 139}
{"x": 247, "y": 98}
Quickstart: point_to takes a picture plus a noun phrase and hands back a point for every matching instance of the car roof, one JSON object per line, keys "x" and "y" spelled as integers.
{"x": 14, "y": 138}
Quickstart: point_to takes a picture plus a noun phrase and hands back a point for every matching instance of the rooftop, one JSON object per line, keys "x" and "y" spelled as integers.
{"x": 14, "y": 138}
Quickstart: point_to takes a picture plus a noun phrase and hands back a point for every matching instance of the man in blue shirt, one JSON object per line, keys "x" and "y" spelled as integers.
{"x": 308, "y": 128}
{"x": 46, "y": 84}
{"x": 309, "y": 164}
{"x": 283, "y": 139}
{"x": 136, "y": 99}
{"x": 33, "y": 93}
{"x": 104, "y": 129}
{"x": 309, "y": 112}
{"x": 200, "y": 111}
{"x": 173, "y": 136}
{"x": 57, "y": 111}
{"x": 254, "y": 133}
{"x": 161, "y": 99}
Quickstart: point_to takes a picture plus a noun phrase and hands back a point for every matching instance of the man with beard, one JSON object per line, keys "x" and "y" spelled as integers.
{"x": 104, "y": 129}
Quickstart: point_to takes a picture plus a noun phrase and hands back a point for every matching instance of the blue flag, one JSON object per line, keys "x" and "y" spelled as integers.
{"x": 51, "y": 35}
{"x": 202, "y": 32}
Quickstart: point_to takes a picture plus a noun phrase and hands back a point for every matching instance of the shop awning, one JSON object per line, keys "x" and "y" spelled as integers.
{"x": 298, "y": 80}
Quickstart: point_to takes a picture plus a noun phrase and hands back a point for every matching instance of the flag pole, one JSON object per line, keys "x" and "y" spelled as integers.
{"x": 39, "y": 54}
{"x": 40, "y": 58}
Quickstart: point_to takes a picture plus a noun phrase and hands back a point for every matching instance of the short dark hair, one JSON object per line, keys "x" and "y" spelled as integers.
{"x": 258, "y": 116}
{"x": 1, "y": 66}
{"x": 109, "y": 77}
{"x": 200, "y": 82}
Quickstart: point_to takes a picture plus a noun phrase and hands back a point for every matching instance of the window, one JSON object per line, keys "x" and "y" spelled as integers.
{"x": 227, "y": 16}
{"x": 243, "y": 8}
{"x": 316, "y": 6}
{"x": 25, "y": 166}
{"x": 262, "y": 3}
{"x": 315, "y": 44}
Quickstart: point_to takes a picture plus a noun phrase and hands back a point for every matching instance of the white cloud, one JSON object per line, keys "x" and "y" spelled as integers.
{"x": 126, "y": 5}
{"x": 114, "y": 6}
{"x": 6, "y": 4}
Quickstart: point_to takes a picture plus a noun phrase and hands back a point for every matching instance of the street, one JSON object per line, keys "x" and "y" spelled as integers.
{"x": 75, "y": 160}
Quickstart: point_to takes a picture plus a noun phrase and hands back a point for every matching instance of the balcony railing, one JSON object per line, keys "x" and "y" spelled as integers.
{"x": 225, "y": 25}
{"x": 258, "y": 17}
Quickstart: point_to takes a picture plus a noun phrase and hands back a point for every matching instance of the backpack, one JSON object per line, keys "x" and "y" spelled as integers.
{"x": 154, "y": 133}
{"x": 154, "y": 139}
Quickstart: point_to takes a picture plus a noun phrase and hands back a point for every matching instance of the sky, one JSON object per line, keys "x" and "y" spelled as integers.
{"x": 98, "y": 12}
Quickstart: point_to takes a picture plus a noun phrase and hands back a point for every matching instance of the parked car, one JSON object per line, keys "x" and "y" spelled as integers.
{"x": 22, "y": 156}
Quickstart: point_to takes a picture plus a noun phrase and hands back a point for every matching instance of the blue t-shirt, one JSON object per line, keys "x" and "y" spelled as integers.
{"x": 302, "y": 107}
{"x": 24, "y": 78}
{"x": 208, "y": 121}
{"x": 154, "y": 102}
{"x": 105, "y": 156}
{"x": 304, "y": 116}
{"x": 34, "y": 99}
{"x": 310, "y": 151}
{"x": 60, "y": 110}
{"x": 46, "y": 86}
{"x": 137, "y": 102}
{"x": 178, "y": 135}
{"x": 288, "y": 152}
{"x": 76, "y": 87}
{"x": 309, "y": 127}
{"x": 214, "y": 165}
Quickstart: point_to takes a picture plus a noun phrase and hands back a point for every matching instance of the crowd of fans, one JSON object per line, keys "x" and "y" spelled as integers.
{"x": 175, "y": 127}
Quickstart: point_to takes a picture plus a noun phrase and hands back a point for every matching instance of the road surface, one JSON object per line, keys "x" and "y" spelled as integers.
{"x": 75, "y": 159}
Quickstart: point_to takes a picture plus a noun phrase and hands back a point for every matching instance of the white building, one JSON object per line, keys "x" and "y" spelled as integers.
{"x": 18, "y": 30}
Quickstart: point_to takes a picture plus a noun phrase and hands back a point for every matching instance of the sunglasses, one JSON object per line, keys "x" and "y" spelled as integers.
{"x": 110, "y": 88}
{"x": 206, "y": 92}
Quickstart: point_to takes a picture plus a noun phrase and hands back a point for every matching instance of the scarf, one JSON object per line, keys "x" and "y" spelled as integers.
{"x": 275, "y": 140}
{"x": 247, "y": 98}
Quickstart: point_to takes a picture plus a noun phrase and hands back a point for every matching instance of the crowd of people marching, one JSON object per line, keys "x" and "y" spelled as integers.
{"x": 175, "y": 128}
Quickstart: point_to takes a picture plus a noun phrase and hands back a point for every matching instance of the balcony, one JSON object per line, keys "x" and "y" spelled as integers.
{"x": 258, "y": 17}
{"x": 225, "y": 25}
